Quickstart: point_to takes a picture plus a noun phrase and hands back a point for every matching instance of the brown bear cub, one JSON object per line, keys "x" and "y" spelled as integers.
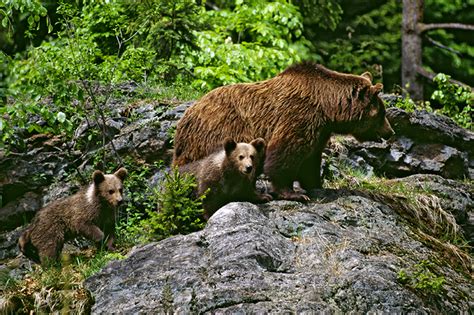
{"x": 295, "y": 112}
{"x": 90, "y": 213}
{"x": 229, "y": 174}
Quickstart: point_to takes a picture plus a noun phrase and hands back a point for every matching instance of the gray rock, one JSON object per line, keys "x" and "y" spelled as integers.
{"x": 454, "y": 197}
{"x": 337, "y": 256}
{"x": 427, "y": 127}
{"x": 150, "y": 138}
{"x": 423, "y": 143}
{"x": 19, "y": 212}
{"x": 9, "y": 243}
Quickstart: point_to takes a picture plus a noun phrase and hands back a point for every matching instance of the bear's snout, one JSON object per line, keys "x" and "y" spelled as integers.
{"x": 386, "y": 132}
{"x": 248, "y": 169}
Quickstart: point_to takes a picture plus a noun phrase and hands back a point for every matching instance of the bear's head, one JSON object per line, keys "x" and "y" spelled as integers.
{"x": 109, "y": 187}
{"x": 247, "y": 158}
{"x": 374, "y": 125}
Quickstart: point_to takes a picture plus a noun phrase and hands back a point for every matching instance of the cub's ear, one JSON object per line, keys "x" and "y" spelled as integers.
{"x": 375, "y": 89}
{"x": 98, "y": 177}
{"x": 367, "y": 75}
{"x": 229, "y": 145}
{"x": 121, "y": 173}
{"x": 259, "y": 144}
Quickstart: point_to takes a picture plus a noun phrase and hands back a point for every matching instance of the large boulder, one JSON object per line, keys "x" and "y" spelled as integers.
{"x": 347, "y": 253}
{"x": 424, "y": 143}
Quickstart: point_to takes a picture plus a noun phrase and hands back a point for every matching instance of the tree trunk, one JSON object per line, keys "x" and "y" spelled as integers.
{"x": 411, "y": 48}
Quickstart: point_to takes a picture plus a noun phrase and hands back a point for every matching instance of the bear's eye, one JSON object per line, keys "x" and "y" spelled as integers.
{"x": 121, "y": 190}
{"x": 241, "y": 157}
{"x": 111, "y": 192}
{"x": 252, "y": 157}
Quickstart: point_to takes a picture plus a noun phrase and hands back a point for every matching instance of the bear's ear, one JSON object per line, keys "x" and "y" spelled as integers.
{"x": 121, "y": 173}
{"x": 259, "y": 144}
{"x": 375, "y": 89}
{"x": 98, "y": 177}
{"x": 367, "y": 75}
{"x": 229, "y": 145}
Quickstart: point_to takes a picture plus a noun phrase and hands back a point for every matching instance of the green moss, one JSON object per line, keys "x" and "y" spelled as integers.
{"x": 421, "y": 278}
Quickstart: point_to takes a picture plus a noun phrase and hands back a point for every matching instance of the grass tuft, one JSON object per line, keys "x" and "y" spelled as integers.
{"x": 421, "y": 209}
{"x": 54, "y": 289}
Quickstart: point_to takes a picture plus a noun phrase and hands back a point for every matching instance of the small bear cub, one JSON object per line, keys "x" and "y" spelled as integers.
{"x": 229, "y": 174}
{"x": 90, "y": 213}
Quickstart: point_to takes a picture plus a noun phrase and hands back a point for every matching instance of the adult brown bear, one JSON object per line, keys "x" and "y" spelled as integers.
{"x": 295, "y": 112}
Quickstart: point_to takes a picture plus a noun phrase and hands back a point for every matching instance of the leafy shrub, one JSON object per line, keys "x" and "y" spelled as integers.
{"x": 177, "y": 210}
{"x": 406, "y": 103}
{"x": 252, "y": 41}
{"x": 457, "y": 101}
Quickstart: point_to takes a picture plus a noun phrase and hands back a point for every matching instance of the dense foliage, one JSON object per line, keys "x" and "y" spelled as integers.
{"x": 147, "y": 42}
{"x": 453, "y": 100}
{"x": 198, "y": 44}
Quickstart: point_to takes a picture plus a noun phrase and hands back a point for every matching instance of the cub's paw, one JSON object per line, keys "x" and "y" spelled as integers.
{"x": 264, "y": 198}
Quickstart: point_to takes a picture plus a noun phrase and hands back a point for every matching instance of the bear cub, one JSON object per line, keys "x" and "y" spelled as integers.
{"x": 90, "y": 213}
{"x": 229, "y": 174}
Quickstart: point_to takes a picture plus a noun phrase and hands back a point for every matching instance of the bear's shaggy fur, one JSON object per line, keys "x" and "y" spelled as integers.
{"x": 295, "y": 112}
{"x": 229, "y": 174}
{"x": 90, "y": 212}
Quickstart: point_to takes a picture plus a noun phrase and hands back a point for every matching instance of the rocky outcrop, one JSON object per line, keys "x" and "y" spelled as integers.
{"x": 424, "y": 144}
{"x": 32, "y": 178}
{"x": 349, "y": 252}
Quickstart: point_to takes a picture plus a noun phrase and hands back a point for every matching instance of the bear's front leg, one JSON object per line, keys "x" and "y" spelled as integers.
{"x": 282, "y": 171}
{"x": 91, "y": 232}
{"x": 110, "y": 243}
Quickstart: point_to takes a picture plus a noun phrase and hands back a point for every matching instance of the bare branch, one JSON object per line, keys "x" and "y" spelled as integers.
{"x": 430, "y": 75}
{"x": 421, "y": 27}
{"x": 438, "y": 44}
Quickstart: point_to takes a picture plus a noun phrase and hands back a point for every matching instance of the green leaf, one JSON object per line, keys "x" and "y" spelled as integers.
{"x": 5, "y": 22}
{"x": 31, "y": 20}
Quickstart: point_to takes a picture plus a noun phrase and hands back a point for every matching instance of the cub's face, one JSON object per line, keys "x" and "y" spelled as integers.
{"x": 110, "y": 186}
{"x": 245, "y": 156}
